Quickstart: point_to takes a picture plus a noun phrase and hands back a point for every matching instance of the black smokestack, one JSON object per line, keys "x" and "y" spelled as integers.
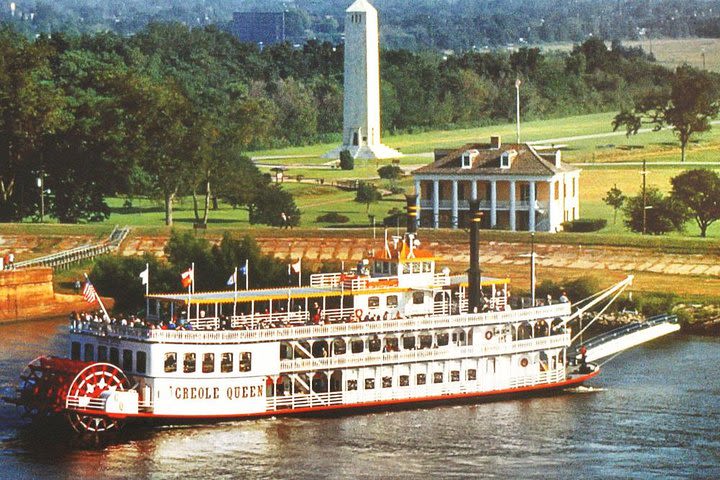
{"x": 474, "y": 270}
{"x": 412, "y": 213}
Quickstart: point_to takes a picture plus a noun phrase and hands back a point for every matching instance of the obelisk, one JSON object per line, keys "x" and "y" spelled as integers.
{"x": 361, "y": 102}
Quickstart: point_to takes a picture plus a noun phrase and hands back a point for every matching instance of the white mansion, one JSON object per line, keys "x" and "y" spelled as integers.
{"x": 520, "y": 187}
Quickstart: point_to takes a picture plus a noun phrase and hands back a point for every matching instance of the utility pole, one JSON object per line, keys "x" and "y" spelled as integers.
{"x": 517, "y": 110}
{"x": 644, "y": 197}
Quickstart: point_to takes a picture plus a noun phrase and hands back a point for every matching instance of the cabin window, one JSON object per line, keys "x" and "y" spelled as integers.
{"x": 472, "y": 374}
{"x": 404, "y": 380}
{"x": 226, "y": 362}
{"x": 418, "y": 298}
{"x": 170, "y": 362}
{"x": 189, "y": 363}
{"x": 437, "y": 377}
{"x": 245, "y": 361}
{"x": 102, "y": 353}
{"x": 75, "y": 350}
{"x": 127, "y": 360}
{"x": 391, "y": 301}
{"x": 406, "y": 268}
{"x": 141, "y": 362}
{"x": 356, "y": 346}
{"x": 408, "y": 343}
{"x": 420, "y": 379}
{"x": 374, "y": 344}
{"x": 369, "y": 383}
{"x": 373, "y": 302}
{"x": 208, "y": 363}
{"x": 442, "y": 339}
{"x": 89, "y": 352}
{"x": 425, "y": 341}
{"x": 387, "y": 382}
{"x": 455, "y": 376}
{"x": 427, "y": 267}
{"x": 286, "y": 351}
{"x": 417, "y": 267}
{"x": 338, "y": 346}
{"x": 114, "y": 356}
{"x": 352, "y": 385}
{"x": 490, "y": 365}
{"x": 393, "y": 269}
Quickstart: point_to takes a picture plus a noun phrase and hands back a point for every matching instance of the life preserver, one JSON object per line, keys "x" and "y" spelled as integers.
{"x": 358, "y": 313}
{"x": 489, "y": 334}
{"x": 524, "y": 362}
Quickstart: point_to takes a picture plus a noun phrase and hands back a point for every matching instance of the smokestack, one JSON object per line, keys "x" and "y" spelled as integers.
{"x": 412, "y": 212}
{"x": 474, "y": 270}
{"x": 495, "y": 142}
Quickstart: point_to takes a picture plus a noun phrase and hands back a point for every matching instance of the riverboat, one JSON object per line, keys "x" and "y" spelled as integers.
{"x": 394, "y": 331}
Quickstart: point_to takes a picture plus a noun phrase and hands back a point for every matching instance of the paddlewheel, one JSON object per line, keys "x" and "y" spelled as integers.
{"x": 51, "y": 386}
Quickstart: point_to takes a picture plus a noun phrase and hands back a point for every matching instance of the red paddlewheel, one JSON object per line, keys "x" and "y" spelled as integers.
{"x": 84, "y": 393}
{"x": 44, "y": 383}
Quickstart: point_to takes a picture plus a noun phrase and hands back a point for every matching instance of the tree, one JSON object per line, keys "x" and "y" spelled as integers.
{"x": 367, "y": 193}
{"x": 390, "y": 172}
{"x": 688, "y": 106}
{"x": 347, "y": 162}
{"x": 699, "y": 191}
{"x": 662, "y": 214}
{"x": 615, "y": 199}
{"x": 274, "y": 206}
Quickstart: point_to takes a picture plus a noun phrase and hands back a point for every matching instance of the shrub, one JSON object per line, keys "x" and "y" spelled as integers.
{"x": 394, "y": 216}
{"x": 390, "y": 172}
{"x": 333, "y": 217}
{"x": 585, "y": 225}
{"x": 347, "y": 162}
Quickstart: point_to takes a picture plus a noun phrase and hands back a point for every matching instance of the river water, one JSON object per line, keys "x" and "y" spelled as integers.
{"x": 653, "y": 412}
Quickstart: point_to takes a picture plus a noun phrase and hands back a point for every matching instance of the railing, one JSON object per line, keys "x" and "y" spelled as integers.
{"x": 325, "y": 280}
{"x": 314, "y": 331}
{"x": 77, "y": 254}
{"x": 441, "y": 280}
{"x": 85, "y": 403}
{"x": 424, "y": 355}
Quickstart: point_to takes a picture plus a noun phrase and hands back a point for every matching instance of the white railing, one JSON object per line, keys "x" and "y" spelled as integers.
{"x": 266, "y": 320}
{"x": 330, "y": 330}
{"x": 85, "y": 403}
{"x": 424, "y": 355}
{"x": 327, "y": 280}
{"x": 441, "y": 280}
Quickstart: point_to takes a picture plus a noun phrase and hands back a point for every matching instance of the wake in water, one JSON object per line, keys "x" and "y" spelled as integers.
{"x": 584, "y": 389}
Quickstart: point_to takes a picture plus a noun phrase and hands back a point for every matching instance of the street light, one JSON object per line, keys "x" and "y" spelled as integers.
{"x": 41, "y": 185}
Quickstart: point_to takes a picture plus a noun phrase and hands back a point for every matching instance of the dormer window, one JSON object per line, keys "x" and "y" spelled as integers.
{"x": 506, "y": 158}
{"x": 467, "y": 158}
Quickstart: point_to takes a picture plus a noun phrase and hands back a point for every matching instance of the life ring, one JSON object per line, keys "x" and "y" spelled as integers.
{"x": 524, "y": 362}
{"x": 358, "y": 313}
{"x": 489, "y": 334}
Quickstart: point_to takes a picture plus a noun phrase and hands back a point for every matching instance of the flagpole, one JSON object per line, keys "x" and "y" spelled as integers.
{"x": 147, "y": 292}
{"x": 517, "y": 110}
{"x": 98, "y": 299}
{"x": 300, "y": 273}
{"x": 235, "y": 277}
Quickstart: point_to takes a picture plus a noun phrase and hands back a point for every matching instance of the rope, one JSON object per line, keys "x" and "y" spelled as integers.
{"x": 597, "y": 315}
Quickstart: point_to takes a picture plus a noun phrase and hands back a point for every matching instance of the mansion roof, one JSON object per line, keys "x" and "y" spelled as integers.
{"x": 525, "y": 160}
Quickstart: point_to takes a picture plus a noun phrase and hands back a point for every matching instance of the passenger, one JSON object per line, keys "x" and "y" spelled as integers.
{"x": 564, "y": 298}
{"x": 385, "y": 315}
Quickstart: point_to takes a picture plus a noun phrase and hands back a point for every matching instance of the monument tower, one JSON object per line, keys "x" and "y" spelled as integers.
{"x": 361, "y": 105}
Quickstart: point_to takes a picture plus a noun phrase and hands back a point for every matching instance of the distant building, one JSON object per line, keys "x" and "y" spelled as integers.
{"x": 264, "y": 28}
{"x": 519, "y": 187}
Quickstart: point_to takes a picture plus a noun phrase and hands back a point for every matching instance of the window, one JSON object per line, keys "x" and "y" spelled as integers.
{"x": 406, "y": 268}
{"x": 170, "y": 362}
{"x": 208, "y": 363}
{"x": 437, "y": 377}
{"x": 373, "y": 302}
{"x": 387, "y": 382}
{"x": 506, "y": 158}
{"x": 141, "y": 362}
{"x": 455, "y": 376}
{"x": 420, "y": 379}
{"x": 425, "y": 341}
{"x": 442, "y": 339}
{"x": 408, "y": 343}
{"x": 245, "y": 361}
{"x": 127, "y": 360}
{"x": 89, "y": 352}
{"x": 226, "y": 362}
{"x": 374, "y": 344}
{"x": 114, "y": 356}
{"x": 466, "y": 160}
{"x": 391, "y": 301}
{"x": 418, "y": 298}
{"x": 352, "y": 385}
{"x": 404, "y": 380}
{"x": 356, "y": 346}
{"x": 189, "y": 363}
{"x": 102, "y": 353}
{"x": 472, "y": 374}
{"x": 75, "y": 351}
{"x": 525, "y": 193}
{"x": 369, "y": 383}
{"x": 427, "y": 267}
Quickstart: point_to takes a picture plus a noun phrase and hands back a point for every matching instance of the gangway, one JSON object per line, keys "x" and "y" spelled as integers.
{"x": 627, "y": 336}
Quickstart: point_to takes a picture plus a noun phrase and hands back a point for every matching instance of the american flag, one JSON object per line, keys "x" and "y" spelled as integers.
{"x": 89, "y": 293}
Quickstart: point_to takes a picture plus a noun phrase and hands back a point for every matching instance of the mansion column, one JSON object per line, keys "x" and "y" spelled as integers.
{"x": 436, "y": 203}
{"x": 493, "y": 204}
{"x": 454, "y": 204}
{"x": 512, "y": 205}
{"x": 551, "y": 206}
{"x": 473, "y": 189}
{"x": 418, "y": 194}
{"x": 531, "y": 210}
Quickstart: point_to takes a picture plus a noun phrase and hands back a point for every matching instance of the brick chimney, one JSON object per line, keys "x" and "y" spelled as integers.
{"x": 495, "y": 142}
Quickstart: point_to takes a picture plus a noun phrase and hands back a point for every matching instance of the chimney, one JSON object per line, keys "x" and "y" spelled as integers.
{"x": 474, "y": 296}
{"x": 412, "y": 212}
{"x": 558, "y": 157}
{"x": 495, "y": 142}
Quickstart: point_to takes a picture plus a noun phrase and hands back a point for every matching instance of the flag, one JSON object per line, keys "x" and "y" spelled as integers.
{"x": 233, "y": 279}
{"x": 144, "y": 275}
{"x": 242, "y": 270}
{"x": 296, "y": 266}
{"x": 89, "y": 293}
{"x": 187, "y": 277}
